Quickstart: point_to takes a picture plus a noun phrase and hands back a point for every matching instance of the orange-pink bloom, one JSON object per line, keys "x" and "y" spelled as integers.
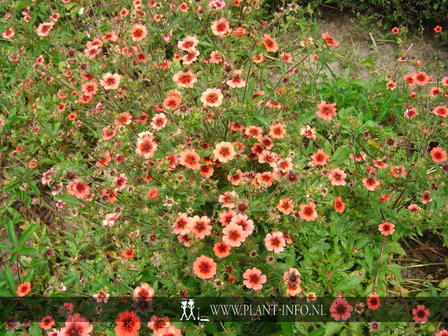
{"x": 275, "y": 242}
{"x": 204, "y": 267}
{"x": 224, "y": 152}
{"x": 326, "y": 111}
{"x": 111, "y": 81}
{"x": 190, "y": 159}
{"x": 254, "y": 279}
{"x": 212, "y": 97}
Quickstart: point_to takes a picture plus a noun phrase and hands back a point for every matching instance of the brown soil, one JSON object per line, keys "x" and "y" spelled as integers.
{"x": 355, "y": 38}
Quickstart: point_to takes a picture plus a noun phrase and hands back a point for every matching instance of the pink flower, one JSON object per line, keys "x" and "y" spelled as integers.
{"x": 111, "y": 81}
{"x": 254, "y": 279}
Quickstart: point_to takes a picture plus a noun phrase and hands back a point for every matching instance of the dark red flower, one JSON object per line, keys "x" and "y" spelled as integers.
{"x": 373, "y": 302}
{"x": 128, "y": 324}
{"x": 421, "y": 314}
{"x": 340, "y": 309}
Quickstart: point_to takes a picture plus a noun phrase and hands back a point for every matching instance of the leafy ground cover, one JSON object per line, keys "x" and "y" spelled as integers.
{"x": 195, "y": 149}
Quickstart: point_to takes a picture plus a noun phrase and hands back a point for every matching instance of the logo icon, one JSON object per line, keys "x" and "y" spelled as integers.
{"x": 188, "y": 311}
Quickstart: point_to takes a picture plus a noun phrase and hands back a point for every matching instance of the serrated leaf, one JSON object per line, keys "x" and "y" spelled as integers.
{"x": 396, "y": 248}
{"x": 332, "y": 328}
{"x": 444, "y": 283}
{"x": 287, "y": 329}
{"x": 341, "y": 155}
{"x": 35, "y": 330}
{"x": 318, "y": 332}
{"x": 351, "y": 282}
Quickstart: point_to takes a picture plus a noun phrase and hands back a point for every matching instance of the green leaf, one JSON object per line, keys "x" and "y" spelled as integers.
{"x": 368, "y": 62}
{"x": 12, "y": 185}
{"x": 341, "y": 155}
{"x": 444, "y": 283}
{"x": 318, "y": 332}
{"x": 27, "y": 234}
{"x": 9, "y": 279}
{"x": 12, "y": 233}
{"x": 332, "y": 328}
{"x": 6, "y": 248}
{"x": 351, "y": 282}
{"x": 35, "y": 330}
{"x": 69, "y": 199}
{"x": 262, "y": 119}
{"x": 4, "y": 293}
{"x": 395, "y": 247}
{"x": 27, "y": 250}
{"x": 16, "y": 216}
{"x": 34, "y": 188}
{"x": 287, "y": 329}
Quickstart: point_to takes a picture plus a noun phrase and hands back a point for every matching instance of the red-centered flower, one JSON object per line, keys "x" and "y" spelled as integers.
{"x": 438, "y": 29}
{"x": 421, "y": 78}
{"x": 153, "y": 193}
{"x": 46, "y": 323}
{"x": 44, "y": 28}
{"x": 320, "y": 158}
{"x": 421, "y": 314}
{"x": 254, "y": 279}
{"x": 156, "y": 323}
{"x": 330, "y": 41}
{"x": 110, "y": 81}
{"x": 185, "y": 79}
{"x": 371, "y": 184}
{"x": 182, "y": 224}
{"x": 76, "y": 326}
{"x": 269, "y": 43}
{"x": 339, "y": 205}
{"x": 234, "y": 235}
{"x": 326, "y": 111}
{"x": 373, "y": 302}
{"x": 189, "y": 158}
{"x": 128, "y": 323}
{"x": 285, "y": 205}
{"x": 204, "y": 267}
{"x": 340, "y": 309}
{"x": 24, "y": 289}
{"x": 275, "y": 242}
{"x": 128, "y": 254}
{"x": 443, "y": 332}
{"x": 139, "y": 32}
{"x": 212, "y": 97}
{"x": 145, "y": 147}
{"x": 143, "y": 292}
{"x": 188, "y": 43}
{"x": 221, "y": 27}
{"x": 337, "y": 176}
{"x": 308, "y": 212}
{"x": 168, "y": 331}
{"x": 438, "y": 155}
{"x": 441, "y": 110}
{"x": 200, "y": 227}
{"x": 224, "y": 152}
{"x": 222, "y": 249}
{"x": 386, "y": 228}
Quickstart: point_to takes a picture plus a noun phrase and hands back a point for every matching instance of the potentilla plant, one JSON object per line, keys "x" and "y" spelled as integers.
{"x": 169, "y": 148}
